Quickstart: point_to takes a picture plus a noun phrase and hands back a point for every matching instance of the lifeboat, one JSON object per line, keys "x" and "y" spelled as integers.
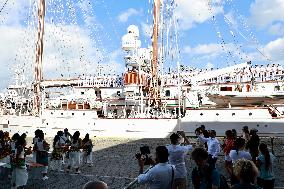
{"x": 135, "y": 78}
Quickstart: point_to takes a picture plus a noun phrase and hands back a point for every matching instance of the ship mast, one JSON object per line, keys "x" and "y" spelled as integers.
{"x": 154, "y": 90}
{"x": 38, "y": 62}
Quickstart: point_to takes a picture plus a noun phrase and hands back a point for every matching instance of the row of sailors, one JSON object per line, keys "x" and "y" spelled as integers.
{"x": 67, "y": 149}
{"x": 238, "y": 75}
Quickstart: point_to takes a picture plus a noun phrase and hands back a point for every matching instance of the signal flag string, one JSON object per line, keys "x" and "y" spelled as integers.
{"x": 3, "y": 6}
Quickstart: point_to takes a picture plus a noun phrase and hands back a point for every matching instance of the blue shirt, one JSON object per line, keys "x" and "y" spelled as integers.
{"x": 202, "y": 181}
{"x": 158, "y": 177}
{"x": 263, "y": 173}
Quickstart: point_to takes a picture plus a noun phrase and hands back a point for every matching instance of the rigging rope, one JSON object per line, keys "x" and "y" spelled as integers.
{"x": 4, "y": 6}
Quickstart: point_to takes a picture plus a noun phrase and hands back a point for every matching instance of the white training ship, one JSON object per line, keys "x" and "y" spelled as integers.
{"x": 145, "y": 103}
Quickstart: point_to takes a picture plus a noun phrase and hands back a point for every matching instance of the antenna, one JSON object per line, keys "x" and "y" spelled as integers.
{"x": 38, "y": 62}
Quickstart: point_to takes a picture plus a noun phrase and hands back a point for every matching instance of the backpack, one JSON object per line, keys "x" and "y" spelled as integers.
{"x": 197, "y": 177}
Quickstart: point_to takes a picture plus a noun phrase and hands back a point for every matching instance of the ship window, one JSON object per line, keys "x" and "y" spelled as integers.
{"x": 265, "y": 125}
{"x": 257, "y": 125}
{"x": 168, "y": 93}
{"x": 250, "y": 114}
{"x": 46, "y": 123}
{"x": 217, "y": 114}
{"x": 201, "y": 114}
{"x": 61, "y": 113}
{"x": 84, "y": 114}
{"x": 51, "y": 113}
{"x": 233, "y": 114}
{"x": 72, "y": 113}
{"x": 82, "y": 93}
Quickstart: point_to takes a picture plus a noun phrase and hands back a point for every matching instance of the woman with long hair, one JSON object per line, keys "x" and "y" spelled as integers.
{"x": 42, "y": 148}
{"x": 18, "y": 164}
{"x": 228, "y": 145}
{"x": 264, "y": 163}
{"x": 87, "y": 146}
{"x": 57, "y": 153}
{"x": 75, "y": 153}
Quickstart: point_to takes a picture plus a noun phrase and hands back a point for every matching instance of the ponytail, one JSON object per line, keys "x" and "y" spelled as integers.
{"x": 264, "y": 150}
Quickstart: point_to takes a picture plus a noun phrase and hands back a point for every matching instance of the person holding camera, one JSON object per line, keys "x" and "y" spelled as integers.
{"x": 177, "y": 155}
{"x": 160, "y": 176}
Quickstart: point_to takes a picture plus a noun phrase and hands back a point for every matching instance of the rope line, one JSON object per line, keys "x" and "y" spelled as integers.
{"x": 4, "y": 6}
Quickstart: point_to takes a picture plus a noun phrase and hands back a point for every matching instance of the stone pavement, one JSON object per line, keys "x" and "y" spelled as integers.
{"x": 115, "y": 164}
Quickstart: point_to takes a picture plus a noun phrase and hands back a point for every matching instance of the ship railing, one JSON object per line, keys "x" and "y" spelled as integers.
{"x": 135, "y": 185}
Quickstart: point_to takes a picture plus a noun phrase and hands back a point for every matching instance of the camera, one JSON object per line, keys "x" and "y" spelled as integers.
{"x": 144, "y": 155}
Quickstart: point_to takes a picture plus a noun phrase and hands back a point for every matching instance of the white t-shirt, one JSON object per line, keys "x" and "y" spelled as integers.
{"x": 234, "y": 155}
{"x": 177, "y": 155}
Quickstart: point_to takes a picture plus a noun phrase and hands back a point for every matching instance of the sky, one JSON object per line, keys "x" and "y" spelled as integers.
{"x": 82, "y": 34}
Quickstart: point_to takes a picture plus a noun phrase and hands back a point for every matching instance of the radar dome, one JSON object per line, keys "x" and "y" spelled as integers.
{"x": 134, "y": 30}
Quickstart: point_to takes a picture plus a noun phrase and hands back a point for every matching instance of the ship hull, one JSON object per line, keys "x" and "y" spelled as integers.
{"x": 217, "y": 119}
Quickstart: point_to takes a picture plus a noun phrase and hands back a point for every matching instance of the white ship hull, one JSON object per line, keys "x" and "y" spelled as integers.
{"x": 217, "y": 119}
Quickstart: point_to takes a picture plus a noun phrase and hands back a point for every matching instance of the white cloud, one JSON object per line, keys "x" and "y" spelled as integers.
{"x": 266, "y": 13}
{"x": 204, "y": 49}
{"x": 123, "y": 17}
{"x": 277, "y": 29}
{"x": 275, "y": 50}
{"x": 191, "y": 12}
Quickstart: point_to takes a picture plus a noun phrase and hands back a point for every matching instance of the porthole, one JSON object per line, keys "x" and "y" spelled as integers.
{"x": 201, "y": 114}
{"x": 257, "y": 125}
{"x": 250, "y": 114}
{"x": 61, "y": 113}
{"x": 73, "y": 113}
{"x": 233, "y": 114}
{"x": 217, "y": 114}
{"x": 51, "y": 113}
